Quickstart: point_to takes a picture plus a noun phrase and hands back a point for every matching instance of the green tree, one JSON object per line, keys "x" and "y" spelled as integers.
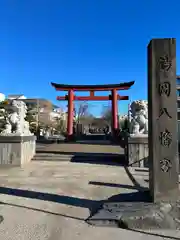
{"x": 60, "y": 126}
{"x": 2, "y": 119}
{"x": 30, "y": 117}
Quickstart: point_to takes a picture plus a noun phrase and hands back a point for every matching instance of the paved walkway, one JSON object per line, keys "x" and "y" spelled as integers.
{"x": 51, "y": 200}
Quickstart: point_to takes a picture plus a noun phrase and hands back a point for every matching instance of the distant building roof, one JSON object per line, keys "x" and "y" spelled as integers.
{"x": 55, "y": 106}
{"x": 41, "y": 101}
{"x": 16, "y": 96}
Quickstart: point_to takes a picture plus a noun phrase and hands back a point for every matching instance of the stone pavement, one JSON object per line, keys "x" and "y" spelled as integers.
{"x": 51, "y": 200}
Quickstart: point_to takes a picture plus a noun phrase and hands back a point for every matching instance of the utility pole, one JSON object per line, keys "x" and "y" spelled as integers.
{"x": 37, "y": 115}
{"x": 129, "y": 115}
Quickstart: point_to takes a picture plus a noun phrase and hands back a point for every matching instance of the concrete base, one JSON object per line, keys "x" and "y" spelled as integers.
{"x": 16, "y": 150}
{"x": 138, "y": 215}
{"x": 137, "y": 151}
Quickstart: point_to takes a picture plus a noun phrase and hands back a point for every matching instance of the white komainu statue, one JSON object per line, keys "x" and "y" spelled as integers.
{"x": 15, "y": 121}
{"x": 139, "y": 117}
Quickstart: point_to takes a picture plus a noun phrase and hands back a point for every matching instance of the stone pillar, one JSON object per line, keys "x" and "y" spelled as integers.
{"x": 162, "y": 112}
{"x": 70, "y": 113}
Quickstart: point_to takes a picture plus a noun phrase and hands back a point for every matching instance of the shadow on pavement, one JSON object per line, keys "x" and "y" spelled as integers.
{"x": 95, "y": 142}
{"x": 133, "y": 180}
{"x": 101, "y": 158}
{"x": 92, "y": 205}
{"x": 111, "y": 159}
{"x": 67, "y": 200}
{"x": 43, "y": 141}
{"x": 115, "y": 185}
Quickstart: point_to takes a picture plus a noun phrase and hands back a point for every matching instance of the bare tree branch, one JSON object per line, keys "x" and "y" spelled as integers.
{"x": 81, "y": 111}
{"x": 107, "y": 114}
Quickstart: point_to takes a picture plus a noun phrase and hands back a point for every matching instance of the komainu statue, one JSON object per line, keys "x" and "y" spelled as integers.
{"x": 139, "y": 117}
{"x": 15, "y": 119}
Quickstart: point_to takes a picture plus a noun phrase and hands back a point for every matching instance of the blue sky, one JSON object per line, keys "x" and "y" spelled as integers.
{"x": 81, "y": 42}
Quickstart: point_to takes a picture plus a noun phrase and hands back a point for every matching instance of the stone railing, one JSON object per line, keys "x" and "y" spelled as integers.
{"x": 16, "y": 150}
{"x": 137, "y": 151}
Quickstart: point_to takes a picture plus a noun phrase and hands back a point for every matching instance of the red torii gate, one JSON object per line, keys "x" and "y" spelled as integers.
{"x": 114, "y": 97}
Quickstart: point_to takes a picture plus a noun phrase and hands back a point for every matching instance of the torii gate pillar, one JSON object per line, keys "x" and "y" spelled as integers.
{"x": 70, "y": 113}
{"x": 114, "y": 110}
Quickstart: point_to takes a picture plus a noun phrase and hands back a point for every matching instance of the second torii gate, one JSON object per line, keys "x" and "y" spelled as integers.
{"x": 114, "y": 97}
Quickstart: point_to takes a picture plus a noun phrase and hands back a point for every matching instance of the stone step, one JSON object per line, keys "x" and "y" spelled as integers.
{"x": 77, "y": 154}
{"x": 52, "y": 155}
{"x": 78, "y": 158}
{"x": 52, "y": 159}
{"x": 74, "y": 156}
{"x": 67, "y": 158}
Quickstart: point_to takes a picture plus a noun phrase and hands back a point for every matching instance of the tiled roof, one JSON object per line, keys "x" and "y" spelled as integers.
{"x": 15, "y": 95}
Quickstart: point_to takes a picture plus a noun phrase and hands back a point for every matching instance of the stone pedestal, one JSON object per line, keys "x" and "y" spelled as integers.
{"x": 16, "y": 150}
{"x": 137, "y": 151}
